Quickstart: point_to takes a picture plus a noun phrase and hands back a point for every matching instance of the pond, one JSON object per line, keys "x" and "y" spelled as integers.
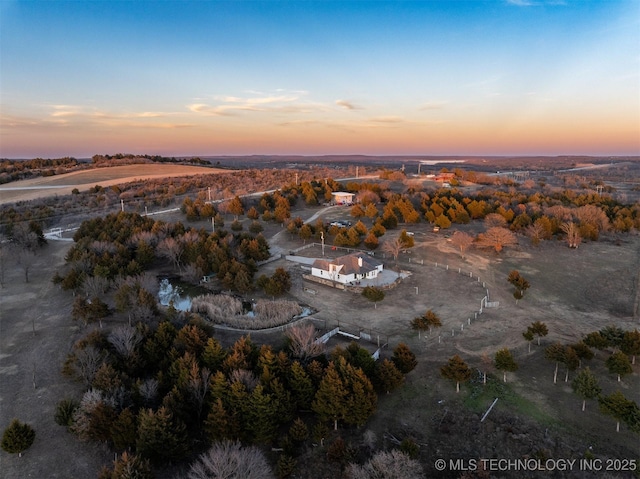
{"x": 181, "y": 293}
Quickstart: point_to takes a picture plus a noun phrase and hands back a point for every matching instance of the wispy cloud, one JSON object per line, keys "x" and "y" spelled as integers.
{"x": 348, "y": 105}
{"x": 521, "y": 3}
{"x": 433, "y": 106}
{"x": 287, "y": 102}
{"x": 387, "y": 119}
{"x": 534, "y": 3}
{"x": 83, "y": 117}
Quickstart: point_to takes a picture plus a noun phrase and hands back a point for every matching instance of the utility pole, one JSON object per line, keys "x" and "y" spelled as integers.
{"x": 209, "y": 191}
{"x": 322, "y": 239}
{"x": 122, "y": 205}
{"x": 213, "y": 223}
{"x": 356, "y": 172}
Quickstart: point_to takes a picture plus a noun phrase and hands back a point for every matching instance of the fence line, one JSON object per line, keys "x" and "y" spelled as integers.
{"x": 484, "y": 302}
{"x": 368, "y": 335}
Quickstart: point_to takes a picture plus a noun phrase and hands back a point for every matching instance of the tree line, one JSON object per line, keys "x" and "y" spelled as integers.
{"x": 167, "y": 393}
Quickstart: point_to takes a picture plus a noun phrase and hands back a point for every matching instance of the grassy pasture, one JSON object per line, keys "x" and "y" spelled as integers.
{"x": 35, "y": 188}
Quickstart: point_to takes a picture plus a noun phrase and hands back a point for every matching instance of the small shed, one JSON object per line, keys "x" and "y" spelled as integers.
{"x": 342, "y": 198}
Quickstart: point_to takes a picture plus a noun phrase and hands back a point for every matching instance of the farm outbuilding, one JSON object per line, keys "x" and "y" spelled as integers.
{"x": 342, "y": 198}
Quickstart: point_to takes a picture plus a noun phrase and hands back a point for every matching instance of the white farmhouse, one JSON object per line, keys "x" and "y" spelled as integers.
{"x": 346, "y": 269}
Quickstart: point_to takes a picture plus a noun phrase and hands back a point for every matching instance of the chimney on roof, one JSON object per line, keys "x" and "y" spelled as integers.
{"x": 360, "y": 261}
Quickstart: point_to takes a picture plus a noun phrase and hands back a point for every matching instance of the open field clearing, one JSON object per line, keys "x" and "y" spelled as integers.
{"x": 64, "y": 184}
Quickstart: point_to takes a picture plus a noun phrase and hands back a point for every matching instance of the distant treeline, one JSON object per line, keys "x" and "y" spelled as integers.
{"x": 129, "y": 158}
{"x": 14, "y": 170}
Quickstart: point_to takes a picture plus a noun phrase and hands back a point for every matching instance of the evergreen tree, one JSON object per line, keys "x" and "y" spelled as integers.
{"x": 586, "y": 385}
{"x": 299, "y": 431}
{"x": 571, "y": 361}
{"x": 262, "y": 418}
{"x": 555, "y": 353}
{"x": 131, "y": 466}
{"x": 583, "y": 351}
{"x": 213, "y": 355}
{"x": 539, "y": 329}
{"x": 613, "y": 334}
{"x": 301, "y": 386}
{"x": 404, "y": 358}
{"x": 528, "y": 335}
{"x": 457, "y": 370}
{"x": 618, "y": 363}
{"x": 64, "y": 412}
{"x": 161, "y": 437}
{"x": 330, "y": 399}
{"x": 388, "y": 376}
{"x": 361, "y": 398}
{"x": 596, "y": 340}
{"x": 360, "y": 357}
{"x": 620, "y": 408}
{"x": 518, "y": 282}
{"x": 630, "y": 344}
{"x": 17, "y": 437}
{"x": 237, "y": 406}
{"x": 123, "y": 430}
{"x": 282, "y": 398}
{"x": 505, "y": 362}
{"x": 218, "y": 425}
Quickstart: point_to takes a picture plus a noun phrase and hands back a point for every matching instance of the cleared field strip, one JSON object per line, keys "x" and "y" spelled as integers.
{"x": 63, "y": 184}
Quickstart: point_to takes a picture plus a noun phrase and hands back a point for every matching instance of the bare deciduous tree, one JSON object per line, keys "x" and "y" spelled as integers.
{"x": 124, "y": 339}
{"x": 148, "y": 390}
{"x": 386, "y": 465}
{"x": 87, "y": 362}
{"x": 493, "y": 220}
{"x": 573, "y": 234}
{"x": 591, "y": 214}
{"x": 171, "y": 249}
{"x": 25, "y": 258}
{"x": 393, "y": 247}
{"x": 230, "y": 460}
{"x": 462, "y": 241}
{"x": 95, "y": 286}
{"x": 497, "y": 238}
{"x": 536, "y": 232}
{"x": 245, "y": 377}
{"x": 198, "y": 385}
{"x": 302, "y": 342}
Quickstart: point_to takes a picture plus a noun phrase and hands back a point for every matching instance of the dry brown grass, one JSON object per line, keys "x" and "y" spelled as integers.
{"x": 63, "y": 184}
{"x": 227, "y": 310}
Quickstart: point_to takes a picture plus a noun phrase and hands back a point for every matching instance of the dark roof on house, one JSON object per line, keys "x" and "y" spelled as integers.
{"x": 350, "y": 263}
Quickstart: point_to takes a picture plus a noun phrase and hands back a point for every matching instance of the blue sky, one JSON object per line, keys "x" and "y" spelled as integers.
{"x": 297, "y": 77}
